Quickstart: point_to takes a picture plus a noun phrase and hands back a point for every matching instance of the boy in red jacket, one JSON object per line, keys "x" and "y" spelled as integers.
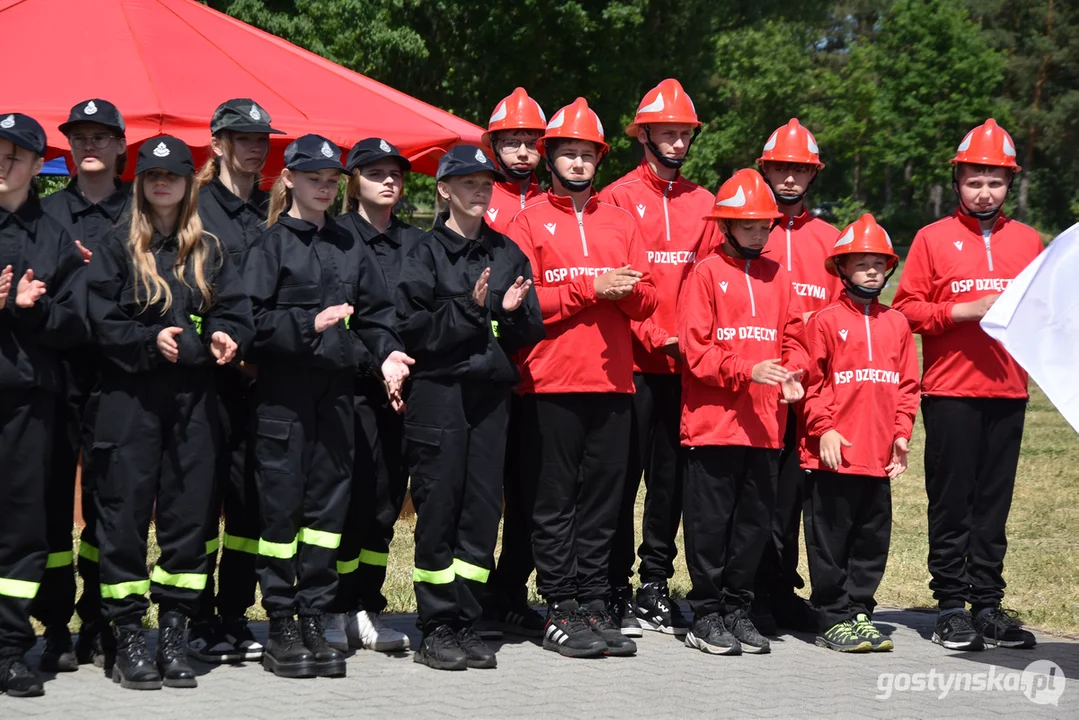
{"x": 516, "y": 125}
{"x": 974, "y": 395}
{"x": 669, "y": 211}
{"x": 592, "y": 279}
{"x": 744, "y": 362}
{"x": 800, "y": 242}
{"x": 861, "y": 399}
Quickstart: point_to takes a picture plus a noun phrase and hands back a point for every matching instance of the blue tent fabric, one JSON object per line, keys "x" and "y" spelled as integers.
{"x": 56, "y": 166}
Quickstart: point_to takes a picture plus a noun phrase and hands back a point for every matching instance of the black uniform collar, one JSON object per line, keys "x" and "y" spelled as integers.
{"x": 26, "y": 215}
{"x": 456, "y": 243}
{"x": 113, "y": 205}
{"x": 371, "y": 235}
{"x": 232, "y": 202}
{"x": 163, "y": 242}
{"x": 302, "y": 227}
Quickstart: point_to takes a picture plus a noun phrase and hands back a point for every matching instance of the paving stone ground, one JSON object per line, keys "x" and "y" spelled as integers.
{"x": 665, "y": 680}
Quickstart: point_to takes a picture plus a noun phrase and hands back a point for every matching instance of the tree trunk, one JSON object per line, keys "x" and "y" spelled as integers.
{"x": 936, "y": 198}
{"x": 908, "y": 190}
{"x": 1032, "y": 132}
{"x": 887, "y": 186}
{"x": 856, "y": 177}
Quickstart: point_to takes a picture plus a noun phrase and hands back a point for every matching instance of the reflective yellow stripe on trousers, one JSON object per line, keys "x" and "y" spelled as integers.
{"x": 18, "y": 588}
{"x": 187, "y": 581}
{"x": 434, "y": 577}
{"x": 119, "y": 591}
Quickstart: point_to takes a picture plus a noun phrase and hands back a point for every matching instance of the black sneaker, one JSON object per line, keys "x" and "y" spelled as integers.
{"x": 598, "y": 617}
{"x": 17, "y": 679}
{"x": 286, "y": 655}
{"x": 567, "y": 633}
{"x": 955, "y": 630}
{"x": 1003, "y": 628}
{"x": 624, "y": 612}
{"x": 242, "y": 642}
{"x": 171, "y": 654}
{"x": 96, "y": 645}
{"x": 656, "y": 611}
{"x": 749, "y": 637}
{"x": 58, "y": 655}
{"x": 205, "y": 643}
{"x": 710, "y": 635}
{"x": 479, "y": 654}
{"x": 329, "y": 662}
{"x": 134, "y": 667}
{"x": 523, "y": 621}
{"x": 792, "y": 612}
{"x": 441, "y": 650}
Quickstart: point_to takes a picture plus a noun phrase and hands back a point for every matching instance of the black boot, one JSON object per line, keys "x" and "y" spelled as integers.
{"x": 172, "y": 652}
{"x": 134, "y": 668}
{"x": 17, "y": 679}
{"x": 286, "y": 655}
{"x": 58, "y": 654}
{"x": 329, "y": 662}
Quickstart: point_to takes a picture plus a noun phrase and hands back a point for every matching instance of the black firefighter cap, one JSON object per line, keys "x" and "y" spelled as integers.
{"x": 242, "y": 115}
{"x": 97, "y": 111}
{"x": 371, "y": 150}
{"x": 165, "y": 152}
{"x": 465, "y": 160}
{"x": 24, "y": 131}
{"x": 309, "y": 153}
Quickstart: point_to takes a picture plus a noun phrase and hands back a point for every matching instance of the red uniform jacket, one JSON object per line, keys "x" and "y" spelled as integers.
{"x": 801, "y": 244}
{"x": 588, "y": 343}
{"x": 507, "y": 200}
{"x": 734, "y": 314}
{"x": 951, "y": 262}
{"x": 862, "y": 381}
{"x": 670, "y": 216}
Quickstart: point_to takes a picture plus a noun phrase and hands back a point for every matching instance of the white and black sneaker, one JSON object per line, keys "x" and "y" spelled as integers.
{"x": 749, "y": 638}
{"x": 711, "y": 636}
{"x": 657, "y": 611}
{"x": 624, "y": 612}
{"x": 955, "y": 630}
{"x": 1003, "y": 628}
{"x": 567, "y": 633}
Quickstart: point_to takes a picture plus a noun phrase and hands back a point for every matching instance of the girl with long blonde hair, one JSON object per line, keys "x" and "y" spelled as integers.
{"x": 166, "y": 307}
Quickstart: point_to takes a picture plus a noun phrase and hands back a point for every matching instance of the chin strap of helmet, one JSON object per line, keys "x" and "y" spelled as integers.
{"x": 744, "y": 252}
{"x": 671, "y": 163}
{"x": 788, "y": 199}
{"x": 519, "y": 175}
{"x": 571, "y": 185}
{"x": 866, "y": 293}
{"x": 979, "y": 214}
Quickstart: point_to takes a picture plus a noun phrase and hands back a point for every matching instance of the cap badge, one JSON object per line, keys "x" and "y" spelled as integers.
{"x": 384, "y": 146}
{"x": 161, "y": 150}
{"x": 326, "y": 151}
{"x": 255, "y": 114}
{"x": 480, "y": 157}
{"x": 90, "y": 108}
{"x": 8, "y": 122}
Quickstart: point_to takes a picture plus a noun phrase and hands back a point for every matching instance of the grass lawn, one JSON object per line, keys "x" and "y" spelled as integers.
{"x": 1041, "y": 568}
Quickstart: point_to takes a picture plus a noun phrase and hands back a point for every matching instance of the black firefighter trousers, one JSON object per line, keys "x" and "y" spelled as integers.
{"x": 510, "y": 578}
{"x": 777, "y": 574}
{"x": 455, "y": 440}
{"x": 971, "y": 455}
{"x": 26, "y": 427}
{"x": 573, "y": 466}
{"x": 156, "y": 443}
{"x": 304, "y": 436}
{"x": 653, "y": 450}
{"x": 379, "y": 484}
{"x": 728, "y": 497}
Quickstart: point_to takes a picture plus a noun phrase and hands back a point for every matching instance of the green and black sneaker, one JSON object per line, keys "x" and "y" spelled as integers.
{"x": 865, "y": 627}
{"x": 844, "y": 637}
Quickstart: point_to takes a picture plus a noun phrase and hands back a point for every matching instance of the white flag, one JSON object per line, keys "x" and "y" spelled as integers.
{"x": 1036, "y": 319}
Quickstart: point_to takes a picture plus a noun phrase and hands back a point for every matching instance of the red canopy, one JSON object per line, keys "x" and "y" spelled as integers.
{"x": 167, "y": 64}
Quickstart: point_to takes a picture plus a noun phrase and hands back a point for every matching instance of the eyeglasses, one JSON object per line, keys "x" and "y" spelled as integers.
{"x": 514, "y": 144}
{"x": 98, "y": 140}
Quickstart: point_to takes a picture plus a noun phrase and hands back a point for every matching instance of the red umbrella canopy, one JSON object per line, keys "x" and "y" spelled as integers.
{"x": 168, "y": 64}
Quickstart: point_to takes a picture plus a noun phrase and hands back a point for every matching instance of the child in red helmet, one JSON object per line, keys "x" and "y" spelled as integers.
{"x": 861, "y": 399}
{"x": 743, "y": 364}
{"x": 974, "y": 395}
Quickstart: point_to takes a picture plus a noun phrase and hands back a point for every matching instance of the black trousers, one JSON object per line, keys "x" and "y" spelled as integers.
{"x": 379, "y": 484}
{"x": 76, "y": 410}
{"x": 777, "y": 573}
{"x": 156, "y": 444}
{"x": 573, "y": 468}
{"x": 848, "y": 520}
{"x": 455, "y": 438}
{"x": 237, "y": 497}
{"x": 515, "y": 564}
{"x": 971, "y": 455}
{"x": 654, "y": 450}
{"x": 304, "y": 439}
{"x": 727, "y": 504}
{"x": 26, "y": 434}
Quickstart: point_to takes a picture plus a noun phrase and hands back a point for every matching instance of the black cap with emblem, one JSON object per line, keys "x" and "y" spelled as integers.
{"x": 371, "y": 150}
{"x": 165, "y": 152}
{"x": 309, "y": 153}
{"x": 97, "y": 111}
{"x": 24, "y": 131}
{"x": 465, "y": 160}
{"x": 242, "y": 115}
